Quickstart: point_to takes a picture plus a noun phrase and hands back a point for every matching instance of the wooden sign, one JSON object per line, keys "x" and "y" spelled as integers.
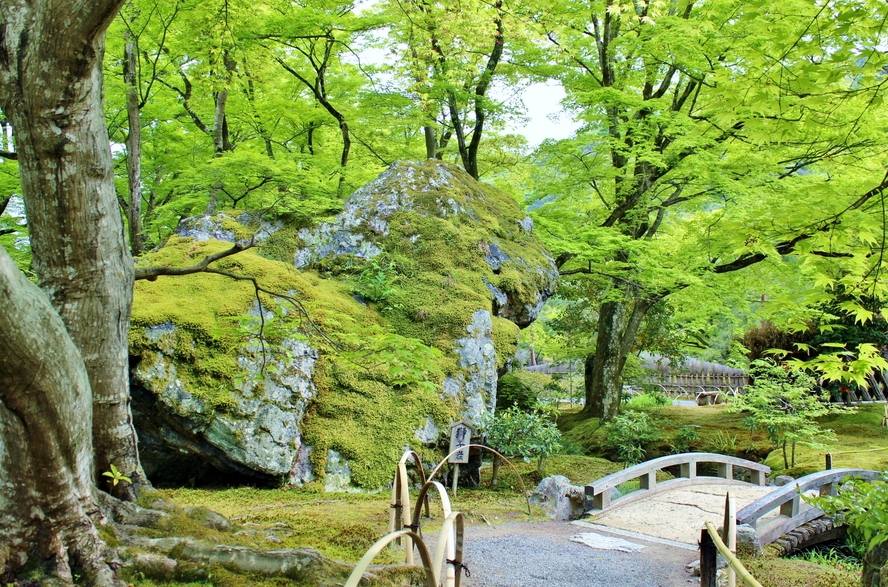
{"x": 460, "y": 436}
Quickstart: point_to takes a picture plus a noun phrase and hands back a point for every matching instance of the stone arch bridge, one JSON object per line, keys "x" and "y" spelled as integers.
{"x": 634, "y": 502}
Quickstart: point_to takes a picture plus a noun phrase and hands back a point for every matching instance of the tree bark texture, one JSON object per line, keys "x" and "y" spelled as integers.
{"x": 604, "y": 389}
{"x": 133, "y": 146}
{"x": 615, "y": 340}
{"x": 51, "y": 90}
{"x": 47, "y": 502}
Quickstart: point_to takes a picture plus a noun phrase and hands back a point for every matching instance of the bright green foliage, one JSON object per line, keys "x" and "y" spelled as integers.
{"x": 718, "y": 136}
{"x": 684, "y": 436}
{"x": 783, "y": 402}
{"x": 628, "y": 433}
{"x": 116, "y": 476}
{"x": 648, "y": 399}
{"x": 512, "y": 391}
{"x": 448, "y": 57}
{"x": 529, "y": 435}
{"x": 862, "y": 505}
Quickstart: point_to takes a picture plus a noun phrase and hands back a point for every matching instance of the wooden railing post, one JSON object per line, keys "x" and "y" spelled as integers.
{"x": 708, "y": 560}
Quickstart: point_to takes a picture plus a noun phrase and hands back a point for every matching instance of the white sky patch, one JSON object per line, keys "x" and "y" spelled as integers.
{"x": 545, "y": 118}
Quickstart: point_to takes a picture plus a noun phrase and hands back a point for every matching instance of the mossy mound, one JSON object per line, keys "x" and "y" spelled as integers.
{"x": 444, "y": 241}
{"x": 332, "y": 376}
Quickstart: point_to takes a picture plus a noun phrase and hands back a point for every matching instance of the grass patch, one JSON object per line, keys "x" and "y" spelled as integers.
{"x": 861, "y": 439}
{"x": 781, "y": 572}
{"x": 861, "y": 442}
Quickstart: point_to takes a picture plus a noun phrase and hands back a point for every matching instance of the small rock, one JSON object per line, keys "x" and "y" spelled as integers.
{"x": 163, "y": 505}
{"x": 746, "y": 535}
{"x": 781, "y": 480}
{"x": 272, "y": 538}
{"x": 559, "y": 499}
{"x": 209, "y": 519}
{"x": 155, "y": 566}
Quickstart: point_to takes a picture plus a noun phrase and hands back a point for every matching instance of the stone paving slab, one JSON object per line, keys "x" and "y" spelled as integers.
{"x": 679, "y": 514}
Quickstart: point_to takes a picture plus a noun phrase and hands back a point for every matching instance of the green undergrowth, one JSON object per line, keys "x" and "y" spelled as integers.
{"x": 782, "y": 572}
{"x": 861, "y": 443}
{"x": 861, "y": 439}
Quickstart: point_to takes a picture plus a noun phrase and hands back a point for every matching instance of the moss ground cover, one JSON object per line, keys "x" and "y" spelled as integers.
{"x": 344, "y": 525}
{"x": 861, "y": 441}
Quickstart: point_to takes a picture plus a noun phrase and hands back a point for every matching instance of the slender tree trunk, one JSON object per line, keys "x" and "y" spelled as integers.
{"x": 51, "y": 90}
{"x": 46, "y": 470}
{"x": 588, "y": 389}
{"x": 219, "y": 138}
{"x": 431, "y": 142}
{"x": 133, "y": 147}
{"x": 603, "y": 398}
{"x": 494, "y": 475}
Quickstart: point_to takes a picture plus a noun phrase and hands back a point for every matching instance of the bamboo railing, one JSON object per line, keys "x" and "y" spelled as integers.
{"x": 712, "y": 544}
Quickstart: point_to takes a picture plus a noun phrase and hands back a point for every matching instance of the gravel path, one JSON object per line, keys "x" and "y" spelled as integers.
{"x": 542, "y": 555}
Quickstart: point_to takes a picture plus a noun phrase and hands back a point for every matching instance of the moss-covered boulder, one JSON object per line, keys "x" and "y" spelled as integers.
{"x": 330, "y": 370}
{"x": 435, "y": 225}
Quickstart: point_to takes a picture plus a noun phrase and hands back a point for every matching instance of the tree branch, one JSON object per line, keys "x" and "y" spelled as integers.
{"x": 152, "y": 273}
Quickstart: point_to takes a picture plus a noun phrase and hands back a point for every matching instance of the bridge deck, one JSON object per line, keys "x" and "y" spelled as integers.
{"x": 678, "y": 514}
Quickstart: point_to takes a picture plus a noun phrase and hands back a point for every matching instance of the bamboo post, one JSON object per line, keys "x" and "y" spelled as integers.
{"x": 733, "y": 561}
{"x": 828, "y": 461}
{"x": 729, "y": 528}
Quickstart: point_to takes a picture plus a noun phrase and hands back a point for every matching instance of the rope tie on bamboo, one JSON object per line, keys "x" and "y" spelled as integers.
{"x": 414, "y": 526}
{"x": 460, "y": 565}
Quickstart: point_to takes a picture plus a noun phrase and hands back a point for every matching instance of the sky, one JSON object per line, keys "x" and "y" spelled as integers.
{"x": 546, "y": 119}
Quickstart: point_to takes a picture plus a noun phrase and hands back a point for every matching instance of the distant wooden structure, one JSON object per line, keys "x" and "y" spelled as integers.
{"x": 699, "y": 379}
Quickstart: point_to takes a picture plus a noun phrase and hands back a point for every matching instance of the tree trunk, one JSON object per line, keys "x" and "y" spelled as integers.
{"x": 133, "y": 147}
{"x": 603, "y": 395}
{"x": 875, "y": 567}
{"x": 46, "y": 469}
{"x": 51, "y": 90}
{"x": 615, "y": 340}
{"x": 430, "y": 142}
{"x": 494, "y": 475}
{"x": 219, "y": 127}
{"x": 588, "y": 388}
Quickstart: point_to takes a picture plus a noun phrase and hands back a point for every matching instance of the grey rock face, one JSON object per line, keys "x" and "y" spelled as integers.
{"x": 747, "y": 535}
{"x": 559, "y": 499}
{"x": 429, "y": 433}
{"x": 781, "y": 480}
{"x": 202, "y": 228}
{"x": 477, "y": 388}
{"x": 338, "y": 473}
{"x": 257, "y": 435}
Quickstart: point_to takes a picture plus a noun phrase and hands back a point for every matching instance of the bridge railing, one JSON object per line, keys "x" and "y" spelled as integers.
{"x": 598, "y": 493}
{"x": 792, "y": 510}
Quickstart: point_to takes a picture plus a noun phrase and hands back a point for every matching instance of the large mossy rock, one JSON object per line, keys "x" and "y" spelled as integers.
{"x": 423, "y": 255}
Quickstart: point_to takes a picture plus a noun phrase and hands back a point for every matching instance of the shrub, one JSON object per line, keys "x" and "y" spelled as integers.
{"x": 684, "y": 436}
{"x": 511, "y": 391}
{"x": 783, "y": 402}
{"x": 648, "y": 399}
{"x": 521, "y": 434}
{"x": 629, "y": 433}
